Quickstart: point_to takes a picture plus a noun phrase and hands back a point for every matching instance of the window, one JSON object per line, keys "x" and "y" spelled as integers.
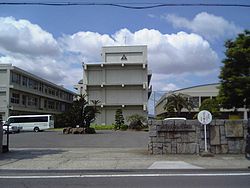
{"x": 45, "y": 103}
{"x": 25, "y": 81}
{"x": 195, "y": 101}
{"x": 33, "y": 84}
{"x": 51, "y": 104}
{"x": 24, "y": 100}
{"x": 204, "y": 98}
{"x": 28, "y": 119}
{"x": 32, "y": 101}
{"x": 2, "y": 93}
{"x": 41, "y": 87}
{"x": 15, "y": 78}
{"x": 15, "y": 98}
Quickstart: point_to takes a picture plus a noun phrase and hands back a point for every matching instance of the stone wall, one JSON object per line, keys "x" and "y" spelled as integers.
{"x": 187, "y": 137}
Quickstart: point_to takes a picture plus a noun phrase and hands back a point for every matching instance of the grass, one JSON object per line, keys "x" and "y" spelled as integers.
{"x": 96, "y": 127}
{"x": 103, "y": 127}
{"x": 56, "y": 129}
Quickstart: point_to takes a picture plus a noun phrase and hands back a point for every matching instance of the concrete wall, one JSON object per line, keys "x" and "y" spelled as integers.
{"x": 107, "y": 115}
{"x": 187, "y": 137}
{"x": 120, "y": 81}
{"x": 133, "y": 54}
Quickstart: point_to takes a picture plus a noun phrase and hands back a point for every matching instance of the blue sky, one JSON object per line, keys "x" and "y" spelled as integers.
{"x": 185, "y": 44}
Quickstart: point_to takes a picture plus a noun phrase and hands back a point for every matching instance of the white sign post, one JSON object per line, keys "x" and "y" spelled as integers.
{"x": 205, "y": 117}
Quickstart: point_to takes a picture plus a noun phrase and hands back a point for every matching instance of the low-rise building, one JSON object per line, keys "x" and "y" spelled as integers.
{"x": 24, "y": 93}
{"x": 197, "y": 95}
{"x": 121, "y": 81}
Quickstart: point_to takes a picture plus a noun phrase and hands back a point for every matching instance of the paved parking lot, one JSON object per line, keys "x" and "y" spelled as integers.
{"x": 103, "y": 139}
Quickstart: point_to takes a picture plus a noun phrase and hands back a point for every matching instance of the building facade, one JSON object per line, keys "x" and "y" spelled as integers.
{"x": 197, "y": 95}
{"x": 121, "y": 81}
{"x": 24, "y": 93}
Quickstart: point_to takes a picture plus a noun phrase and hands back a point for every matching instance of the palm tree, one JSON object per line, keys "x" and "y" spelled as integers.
{"x": 176, "y": 102}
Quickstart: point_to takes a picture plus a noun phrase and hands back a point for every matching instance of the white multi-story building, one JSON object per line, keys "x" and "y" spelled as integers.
{"x": 24, "y": 93}
{"x": 121, "y": 81}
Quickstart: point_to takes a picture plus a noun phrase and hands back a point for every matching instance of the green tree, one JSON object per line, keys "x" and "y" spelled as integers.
{"x": 119, "y": 119}
{"x": 80, "y": 113}
{"x": 177, "y": 102}
{"x": 211, "y": 105}
{"x": 234, "y": 91}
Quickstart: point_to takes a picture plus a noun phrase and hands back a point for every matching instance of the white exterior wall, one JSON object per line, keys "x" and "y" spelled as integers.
{"x": 107, "y": 115}
{"x": 118, "y": 83}
{"x": 210, "y": 90}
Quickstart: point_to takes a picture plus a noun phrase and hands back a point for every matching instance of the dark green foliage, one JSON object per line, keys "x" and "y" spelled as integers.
{"x": 235, "y": 73}
{"x": 136, "y": 122}
{"x": 211, "y": 105}
{"x": 78, "y": 114}
{"x": 119, "y": 119}
{"x": 176, "y": 102}
{"x": 124, "y": 127}
{"x": 89, "y": 130}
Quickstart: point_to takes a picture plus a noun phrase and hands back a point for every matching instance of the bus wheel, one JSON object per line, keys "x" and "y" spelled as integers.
{"x": 36, "y": 129}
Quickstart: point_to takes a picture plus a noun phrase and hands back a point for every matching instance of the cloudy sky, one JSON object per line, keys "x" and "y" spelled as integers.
{"x": 185, "y": 44}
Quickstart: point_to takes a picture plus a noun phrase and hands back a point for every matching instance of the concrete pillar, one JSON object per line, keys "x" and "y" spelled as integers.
{"x": 1, "y": 137}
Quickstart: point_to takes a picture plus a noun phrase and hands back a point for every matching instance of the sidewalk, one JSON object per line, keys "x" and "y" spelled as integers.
{"x": 113, "y": 158}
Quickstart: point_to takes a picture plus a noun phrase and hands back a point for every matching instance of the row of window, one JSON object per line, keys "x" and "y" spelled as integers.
{"x": 28, "y": 119}
{"x": 195, "y": 100}
{"x": 33, "y": 101}
{"x": 39, "y": 86}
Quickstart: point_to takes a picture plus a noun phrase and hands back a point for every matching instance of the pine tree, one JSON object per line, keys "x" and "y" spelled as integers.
{"x": 119, "y": 119}
{"x": 235, "y": 73}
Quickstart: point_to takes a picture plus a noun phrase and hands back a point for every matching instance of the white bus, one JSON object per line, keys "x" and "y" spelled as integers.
{"x": 34, "y": 123}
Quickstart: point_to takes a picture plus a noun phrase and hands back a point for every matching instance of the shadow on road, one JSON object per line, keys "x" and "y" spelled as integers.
{"x": 19, "y": 154}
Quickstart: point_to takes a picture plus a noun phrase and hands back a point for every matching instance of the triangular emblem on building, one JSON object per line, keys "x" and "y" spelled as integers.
{"x": 124, "y": 58}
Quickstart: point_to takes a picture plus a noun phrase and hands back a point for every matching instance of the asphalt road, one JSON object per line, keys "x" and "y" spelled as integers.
{"x": 190, "y": 179}
{"x": 103, "y": 139}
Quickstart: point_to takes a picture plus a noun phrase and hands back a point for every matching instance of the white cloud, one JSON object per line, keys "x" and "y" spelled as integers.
{"x": 59, "y": 60}
{"x": 208, "y": 25}
{"x": 21, "y": 36}
{"x": 168, "y": 54}
{"x": 87, "y": 44}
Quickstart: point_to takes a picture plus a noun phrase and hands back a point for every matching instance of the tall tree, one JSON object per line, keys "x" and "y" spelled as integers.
{"x": 235, "y": 74}
{"x": 176, "y": 102}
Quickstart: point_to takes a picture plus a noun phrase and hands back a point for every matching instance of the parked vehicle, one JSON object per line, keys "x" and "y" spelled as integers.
{"x": 12, "y": 129}
{"x": 34, "y": 123}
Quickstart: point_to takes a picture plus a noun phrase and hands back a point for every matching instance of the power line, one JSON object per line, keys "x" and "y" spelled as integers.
{"x": 137, "y": 6}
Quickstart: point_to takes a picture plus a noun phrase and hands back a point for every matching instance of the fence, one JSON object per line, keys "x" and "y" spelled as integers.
{"x": 187, "y": 137}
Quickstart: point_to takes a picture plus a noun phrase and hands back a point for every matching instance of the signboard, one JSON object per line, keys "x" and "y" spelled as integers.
{"x": 204, "y": 117}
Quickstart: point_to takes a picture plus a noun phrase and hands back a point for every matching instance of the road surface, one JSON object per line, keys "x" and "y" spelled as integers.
{"x": 144, "y": 178}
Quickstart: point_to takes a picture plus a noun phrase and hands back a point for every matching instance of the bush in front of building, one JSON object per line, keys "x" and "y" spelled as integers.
{"x": 136, "y": 122}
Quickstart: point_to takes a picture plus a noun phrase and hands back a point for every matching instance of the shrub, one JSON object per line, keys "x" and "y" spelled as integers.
{"x": 123, "y": 127}
{"x": 136, "y": 122}
{"x": 89, "y": 130}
